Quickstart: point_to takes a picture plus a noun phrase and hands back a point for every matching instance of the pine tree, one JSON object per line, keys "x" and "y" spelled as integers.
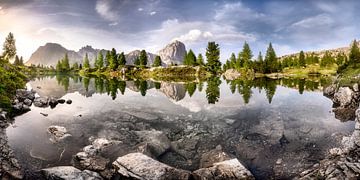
{"x": 137, "y": 61}
{"x": 113, "y": 62}
{"x": 99, "y": 63}
{"x": 200, "y": 60}
{"x": 9, "y": 48}
{"x": 157, "y": 61}
{"x": 143, "y": 58}
{"x": 75, "y": 66}
{"x": 86, "y": 61}
{"x": 213, "y": 57}
{"x": 107, "y": 57}
{"x": 59, "y": 66}
{"x": 246, "y": 55}
{"x": 271, "y": 63}
{"x": 21, "y": 63}
{"x": 17, "y": 61}
{"x": 65, "y": 63}
{"x": 261, "y": 65}
{"x": 354, "y": 56}
{"x": 190, "y": 58}
{"x": 301, "y": 59}
{"x": 122, "y": 59}
{"x": 232, "y": 61}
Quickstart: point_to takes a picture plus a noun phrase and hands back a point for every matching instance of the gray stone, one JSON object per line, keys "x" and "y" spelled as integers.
{"x": 27, "y": 102}
{"x": 58, "y": 133}
{"x": 229, "y": 169}
{"x": 343, "y": 96}
{"x": 23, "y": 94}
{"x": 173, "y": 53}
{"x": 41, "y": 102}
{"x": 140, "y": 166}
{"x": 154, "y": 143}
{"x": 93, "y": 162}
{"x": 213, "y": 156}
{"x": 356, "y": 87}
{"x": 69, "y": 172}
{"x": 53, "y": 102}
{"x": 330, "y": 90}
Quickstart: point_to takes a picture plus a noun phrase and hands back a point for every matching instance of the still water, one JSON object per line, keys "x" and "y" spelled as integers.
{"x": 275, "y": 127}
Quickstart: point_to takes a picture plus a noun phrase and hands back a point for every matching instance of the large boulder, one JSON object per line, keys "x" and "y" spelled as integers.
{"x": 229, "y": 169}
{"x": 154, "y": 143}
{"x": 22, "y": 94}
{"x": 343, "y": 96}
{"x": 232, "y": 74}
{"x": 213, "y": 156}
{"x": 69, "y": 172}
{"x": 140, "y": 166}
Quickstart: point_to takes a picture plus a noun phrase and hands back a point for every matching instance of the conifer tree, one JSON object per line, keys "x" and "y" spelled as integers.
{"x": 200, "y": 60}
{"x": 271, "y": 63}
{"x": 113, "y": 61}
{"x": 246, "y": 55}
{"x": 354, "y": 56}
{"x": 9, "y": 48}
{"x": 143, "y": 58}
{"x": 122, "y": 59}
{"x": 213, "y": 57}
{"x": 99, "y": 63}
{"x": 157, "y": 61}
{"x": 301, "y": 59}
{"x": 86, "y": 61}
{"x": 190, "y": 58}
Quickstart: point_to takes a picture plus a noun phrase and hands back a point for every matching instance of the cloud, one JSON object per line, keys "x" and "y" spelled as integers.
{"x": 140, "y": 9}
{"x": 113, "y": 24}
{"x": 315, "y": 21}
{"x": 152, "y": 13}
{"x": 103, "y": 8}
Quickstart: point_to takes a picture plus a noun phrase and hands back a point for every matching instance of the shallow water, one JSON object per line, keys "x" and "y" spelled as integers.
{"x": 258, "y": 121}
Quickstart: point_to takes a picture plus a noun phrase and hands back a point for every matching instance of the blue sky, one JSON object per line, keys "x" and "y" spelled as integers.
{"x": 151, "y": 24}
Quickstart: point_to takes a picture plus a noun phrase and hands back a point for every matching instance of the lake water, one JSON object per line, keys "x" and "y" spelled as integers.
{"x": 275, "y": 127}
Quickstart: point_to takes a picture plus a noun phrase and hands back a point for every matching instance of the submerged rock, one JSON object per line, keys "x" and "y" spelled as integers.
{"x": 229, "y": 169}
{"x": 53, "y": 102}
{"x": 155, "y": 143}
{"x": 140, "y": 166}
{"x": 69, "y": 101}
{"x": 58, "y": 133}
{"x": 22, "y": 94}
{"x": 61, "y": 101}
{"x": 69, "y": 172}
{"x": 213, "y": 156}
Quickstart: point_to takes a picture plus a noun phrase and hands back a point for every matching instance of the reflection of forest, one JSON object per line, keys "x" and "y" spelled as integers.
{"x": 177, "y": 91}
{"x": 245, "y": 86}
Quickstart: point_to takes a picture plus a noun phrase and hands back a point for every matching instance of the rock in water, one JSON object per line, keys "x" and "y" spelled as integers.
{"x": 173, "y": 53}
{"x": 58, "y": 133}
{"x": 41, "y": 102}
{"x": 61, "y": 101}
{"x": 330, "y": 90}
{"x": 229, "y": 169}
{"x": 155, "y": 143}
{"x": 343, "y": 96}
{"x": 232, "y": 74}
{"x": 69, "y": 101}
{"x": 140, "y": 166}
{"x": 69, "y": 172}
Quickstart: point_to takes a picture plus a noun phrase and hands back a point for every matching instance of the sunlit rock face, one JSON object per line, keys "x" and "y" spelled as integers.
{"x": 130, "y": 57}
{"x": 174, "y": 91}
{"x": 50, "y": 53}
{"x": 173, "y": 53}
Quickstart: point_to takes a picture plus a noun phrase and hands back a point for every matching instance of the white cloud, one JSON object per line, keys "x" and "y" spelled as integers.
{"x": 314, "y": 21}
{"x": 152, "y": 13}
{"x": 113, "y": 24}
{"x": 140, "y": 9}
{"x": 103, "y": 7}
{"x": 235, "y": 12}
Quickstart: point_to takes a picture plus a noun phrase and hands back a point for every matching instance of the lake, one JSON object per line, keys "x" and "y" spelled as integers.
{"x": 275, "y": 127}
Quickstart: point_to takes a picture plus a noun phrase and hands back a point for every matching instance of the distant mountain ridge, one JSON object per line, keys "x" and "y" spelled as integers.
{"x": 50, "y": 53}
{"x": 321, "y": 53}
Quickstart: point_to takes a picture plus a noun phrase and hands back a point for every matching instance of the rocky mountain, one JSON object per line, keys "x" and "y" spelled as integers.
{"x": 130, "y": 57}
{"x": 321, "y": 53}
{"x": 173, "y": 53}
{"x": 50, "y": 53}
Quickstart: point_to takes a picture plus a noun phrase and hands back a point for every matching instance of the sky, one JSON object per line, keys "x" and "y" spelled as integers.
{"x": 127, "y": 25}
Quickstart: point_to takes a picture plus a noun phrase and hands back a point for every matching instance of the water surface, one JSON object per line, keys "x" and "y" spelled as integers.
{"x": 258, "y": 121}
